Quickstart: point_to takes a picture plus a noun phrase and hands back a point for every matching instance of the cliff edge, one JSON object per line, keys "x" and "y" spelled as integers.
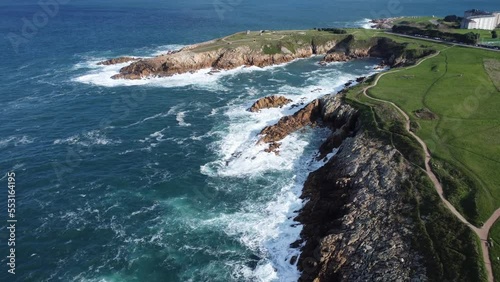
{"x": 356, "y": 223}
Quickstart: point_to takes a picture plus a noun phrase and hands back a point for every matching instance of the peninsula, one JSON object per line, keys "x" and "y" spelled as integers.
{"x": 267, "y": 48}
{"x": 412, "y": 192}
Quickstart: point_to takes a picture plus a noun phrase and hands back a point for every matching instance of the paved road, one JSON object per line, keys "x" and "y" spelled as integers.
{"x": 482, "y": 232}
{"x": 442, "y": 41}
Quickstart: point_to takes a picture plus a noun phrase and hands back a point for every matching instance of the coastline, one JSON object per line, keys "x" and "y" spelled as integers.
{"x": 334, "y": 254}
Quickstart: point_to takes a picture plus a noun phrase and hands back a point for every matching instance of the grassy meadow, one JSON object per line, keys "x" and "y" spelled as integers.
{"x": 464, "y": 139}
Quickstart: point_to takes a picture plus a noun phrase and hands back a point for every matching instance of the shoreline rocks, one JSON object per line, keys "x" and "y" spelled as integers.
{"x": 187, "y": 60}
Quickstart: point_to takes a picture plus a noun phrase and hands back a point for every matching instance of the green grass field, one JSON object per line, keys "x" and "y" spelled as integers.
{"x": 465, "y": 138}
{"x": 460, "y": 87}
{"x": 270, "y": 42}
{"x": 420, "y": 21}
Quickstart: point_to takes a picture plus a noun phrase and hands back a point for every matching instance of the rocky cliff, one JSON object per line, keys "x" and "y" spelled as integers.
{"x": 355, "y": 222}
{"x": 224, "y": 58}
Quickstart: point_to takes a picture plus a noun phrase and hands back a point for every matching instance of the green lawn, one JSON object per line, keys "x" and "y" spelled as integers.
{"x": 270, "y": 42}
{"x": 465, "y": 139}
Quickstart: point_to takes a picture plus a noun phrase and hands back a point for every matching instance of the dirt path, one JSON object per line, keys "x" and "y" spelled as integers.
{"x": 482, "y": 232}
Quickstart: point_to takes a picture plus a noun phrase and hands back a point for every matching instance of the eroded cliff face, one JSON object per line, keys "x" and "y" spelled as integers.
{"x": 356, "y": 223}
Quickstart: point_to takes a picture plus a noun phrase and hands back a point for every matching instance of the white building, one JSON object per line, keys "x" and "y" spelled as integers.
{"x": 476, "y": 19}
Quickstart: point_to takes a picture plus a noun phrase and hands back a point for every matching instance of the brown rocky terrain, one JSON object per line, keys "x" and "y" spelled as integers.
{"x": 354, "y": 223}
{"x": 269, "y": 102}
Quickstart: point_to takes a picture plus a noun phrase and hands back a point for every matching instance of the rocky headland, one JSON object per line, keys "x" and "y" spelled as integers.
{"x": 354, "y": 223}
{"x": 226, "y": 54}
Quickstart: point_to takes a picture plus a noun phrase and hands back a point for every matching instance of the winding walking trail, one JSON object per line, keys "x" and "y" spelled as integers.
{"x": 482, "y": 232}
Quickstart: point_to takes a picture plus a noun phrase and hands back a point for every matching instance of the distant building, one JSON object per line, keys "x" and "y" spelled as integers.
{"x": 477, "y": 19}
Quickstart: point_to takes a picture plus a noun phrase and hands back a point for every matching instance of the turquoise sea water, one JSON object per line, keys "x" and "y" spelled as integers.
{"x": 159, "y": 180}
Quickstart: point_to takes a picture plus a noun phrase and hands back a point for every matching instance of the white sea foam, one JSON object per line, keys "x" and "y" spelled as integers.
{"x": 87, "y": 139}
{"x": 159, "y": 115}
{"x": 16, "y": 141}
{"x": 268, "y": 228}
{"x": 365, "y": 23}
{"x": 180, "y": 115}
{"x": 180, "y": 119}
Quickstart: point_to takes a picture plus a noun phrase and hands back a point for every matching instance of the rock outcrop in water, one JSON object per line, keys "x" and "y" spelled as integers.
{"x": 289, "y": 124}
{"x": 269, "y": 102}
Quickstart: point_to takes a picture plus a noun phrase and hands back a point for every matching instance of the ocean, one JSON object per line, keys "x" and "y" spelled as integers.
{"x": 159, "y": 179}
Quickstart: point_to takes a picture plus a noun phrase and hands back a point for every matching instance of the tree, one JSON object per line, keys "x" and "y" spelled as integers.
{"x": 494, "y": 34}
{"x": 451, "y": 18}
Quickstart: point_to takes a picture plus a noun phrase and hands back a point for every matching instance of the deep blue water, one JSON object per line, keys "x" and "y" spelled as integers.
{"x": 159, "y": 180}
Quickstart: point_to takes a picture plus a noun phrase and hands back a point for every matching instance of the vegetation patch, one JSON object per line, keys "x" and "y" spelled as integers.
{"x": 425, "y": 114}
{"x": 467, "y": 38}
{"x": 451, "y": 250}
